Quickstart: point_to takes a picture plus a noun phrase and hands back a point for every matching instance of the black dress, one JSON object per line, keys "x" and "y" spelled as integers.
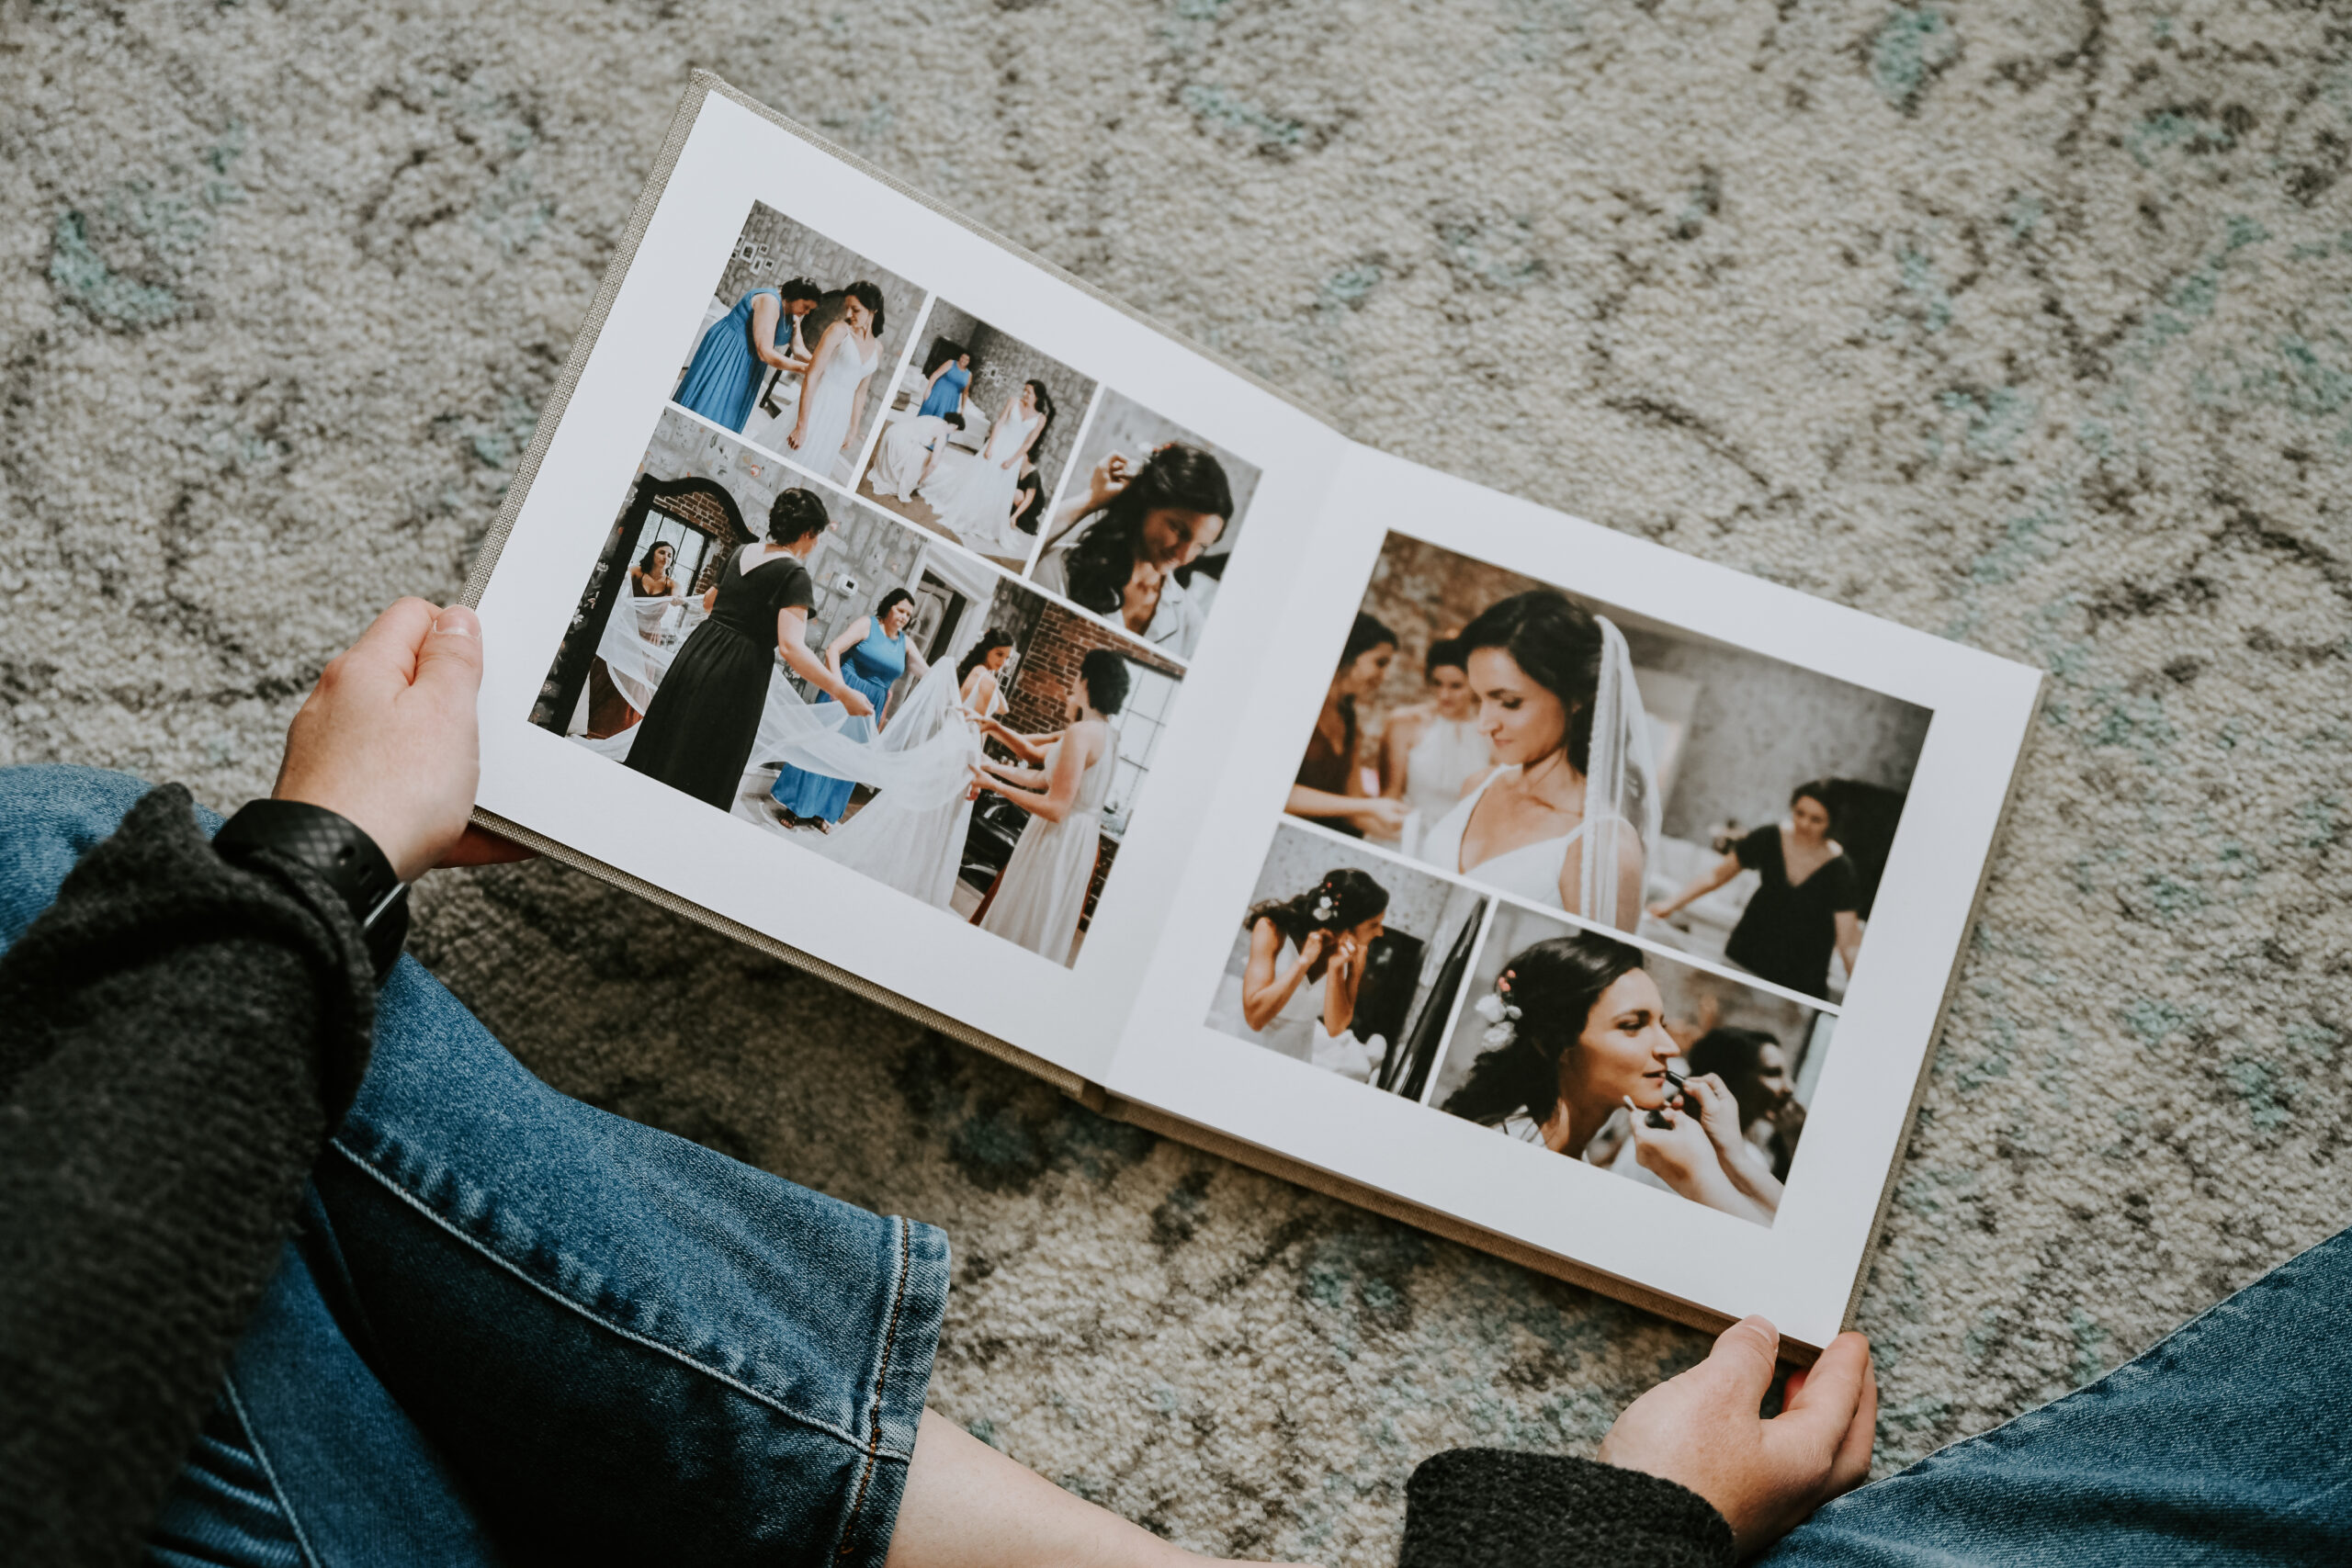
{"x": 696, "y": 735}
{"x": 1787, "y": 932}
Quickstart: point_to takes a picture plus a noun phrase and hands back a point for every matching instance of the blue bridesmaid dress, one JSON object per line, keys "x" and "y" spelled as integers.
{"x": 947, "y": 393}
{"x": 872, "y": 668}
{"x": 724, "y": 378}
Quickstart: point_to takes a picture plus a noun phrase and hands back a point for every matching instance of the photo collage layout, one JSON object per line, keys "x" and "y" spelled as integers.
{"x": 900, "y": 590}
{"x": 1593, "y": 880}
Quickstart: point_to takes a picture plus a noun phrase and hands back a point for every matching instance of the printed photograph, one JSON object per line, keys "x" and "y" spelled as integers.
{"x": 1148, "y": 521}
{"x": 862, "y": 689}
{"x": 797, "y": 345}
{"x": 1651, "y": 1068}
{"x": 1348, "y": 961}
{"x": 1635, "y": 773}
{"x": 976, "y": 435}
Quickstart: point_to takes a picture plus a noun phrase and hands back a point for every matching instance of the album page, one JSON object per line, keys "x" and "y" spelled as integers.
{"x": 1594, "y": 896}
{"x": 1029, "y": 549}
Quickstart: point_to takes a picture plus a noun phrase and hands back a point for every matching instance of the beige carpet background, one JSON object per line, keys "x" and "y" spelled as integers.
{"x": 2029, "y": 324}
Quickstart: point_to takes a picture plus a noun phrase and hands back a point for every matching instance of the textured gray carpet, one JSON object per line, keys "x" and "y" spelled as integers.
{"x": 2025, "y": 323}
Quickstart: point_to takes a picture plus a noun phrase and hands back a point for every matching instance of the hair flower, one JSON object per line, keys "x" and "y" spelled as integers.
{"x": 1324, "y": 908}
{"x": 1490, "y": 1007}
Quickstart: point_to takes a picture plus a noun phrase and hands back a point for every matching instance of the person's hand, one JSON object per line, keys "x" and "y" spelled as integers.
{"x": 1008, "y": 462}
{"x": 1382, "y": 815}
{"x": 1659, "y": 910}
{"x": 1343, "y": 957}
{"x": 792, "y": 440}
{"x": 1312, "y": 948}
{"x": 387, "y": 739}
{"x": 1703, "y": 1430}
{"x": 1711, "y": 1100}
{"x": 1678, "y": 1154}
{"x": 1109, "y": 478}
{"x": 856, "y": 701}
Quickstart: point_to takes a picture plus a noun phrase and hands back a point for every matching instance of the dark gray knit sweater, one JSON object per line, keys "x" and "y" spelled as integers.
{"x": 178, "y": 1036}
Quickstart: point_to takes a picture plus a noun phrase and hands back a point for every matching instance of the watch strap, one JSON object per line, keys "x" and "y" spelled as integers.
{"x": 335, "y": 850}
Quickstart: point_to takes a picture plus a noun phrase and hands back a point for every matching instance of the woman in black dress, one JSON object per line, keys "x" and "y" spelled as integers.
{"x": 698, "y": 734}
{"x": 1806, "y": 907}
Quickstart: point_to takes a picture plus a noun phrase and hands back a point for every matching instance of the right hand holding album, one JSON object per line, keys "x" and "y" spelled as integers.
{"x": 1703, "y": 1430}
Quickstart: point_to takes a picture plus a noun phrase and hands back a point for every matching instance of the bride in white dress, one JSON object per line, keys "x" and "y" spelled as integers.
{"x": 1433, "y": 752}
{"x": 911, "y": 836}
{"x": 1303, "y": 1007}
{"x": 834, "y": 392}
{"x": 1042, "y": 894}
{"x": 1568, "y": 818}
{"x": 974, "y": 497}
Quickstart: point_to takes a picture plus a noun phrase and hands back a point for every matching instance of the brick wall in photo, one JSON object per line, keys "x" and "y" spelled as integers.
{"x": 1042, "y": 684}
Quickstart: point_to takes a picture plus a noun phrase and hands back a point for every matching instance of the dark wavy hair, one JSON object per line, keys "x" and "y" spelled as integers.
{"x": 1178, "y": 477}
{"x": 1555, "y": 984}
{"x": 1107, "y": 679}
{"x": 1557, "y": 642}
{"x": 1355, "y": 897}
{"x": 895, "y": 597}
{"x": 1445, "y": 653}
{"x": 946, "y": 352}
{"x": 794, "y": 514}
{"x": 870, "y": 297}
{"x": 1045, "y": 406}
{"x": 1817, "y": 791}
{"x": 646, "y": 562}
{"x": 990, "y": 640}
{"x": 800, "y": 288}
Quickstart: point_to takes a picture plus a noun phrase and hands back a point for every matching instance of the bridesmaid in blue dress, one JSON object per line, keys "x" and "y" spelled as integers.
{"x": 947, "y": 383}
{"x": 870, "y": 654}
{"x": 723, "y": 380}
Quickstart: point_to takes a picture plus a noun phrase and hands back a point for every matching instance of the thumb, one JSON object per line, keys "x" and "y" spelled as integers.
{"x": 1744, "y": 1357}
{"x": 1823, "y": 1405}
{"x": 449, "y": 663}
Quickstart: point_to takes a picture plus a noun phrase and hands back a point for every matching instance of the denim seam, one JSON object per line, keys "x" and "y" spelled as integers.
{"x": 881, "y": 1381}
{"x": 759, "y": 1396}
{"x": 268, "y": 1471}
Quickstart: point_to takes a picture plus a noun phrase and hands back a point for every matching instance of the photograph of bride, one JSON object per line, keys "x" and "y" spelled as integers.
{"x": 1648, "y": 1067}
{"x": 1347, "y": 960}
{"x": 1637, "y": 773}
{"x": 975, "y": 436}
{"x": 862, "y": 689}
{"x": 797, "y": 345}
{"x": 1142, "y": 532}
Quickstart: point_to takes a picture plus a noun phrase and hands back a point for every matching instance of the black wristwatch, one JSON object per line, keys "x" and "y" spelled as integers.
{"x": 334, "y": 849}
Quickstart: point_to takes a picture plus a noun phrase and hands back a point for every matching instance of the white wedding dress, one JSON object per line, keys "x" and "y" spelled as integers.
{"x": 1043, "y": 891}
{"x": 830, "y": 403}
{"x": 908, "y": 838}
{"x": 906, "y": 446}
{"x": 974, "y": 495}
{"x": 1449, "y": 752}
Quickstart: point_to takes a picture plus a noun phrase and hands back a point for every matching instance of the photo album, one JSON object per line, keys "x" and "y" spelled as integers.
{"x": 886, "y": 598}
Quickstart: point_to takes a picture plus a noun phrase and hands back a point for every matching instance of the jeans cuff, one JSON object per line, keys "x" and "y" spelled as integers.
{"x": 909, "y": 1340}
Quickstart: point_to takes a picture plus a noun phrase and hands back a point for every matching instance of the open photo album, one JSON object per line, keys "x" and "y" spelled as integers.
{"x": 897, "y": 604}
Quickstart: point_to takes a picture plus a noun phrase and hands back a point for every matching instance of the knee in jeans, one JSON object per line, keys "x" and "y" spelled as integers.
{"x": 49, "y": 818}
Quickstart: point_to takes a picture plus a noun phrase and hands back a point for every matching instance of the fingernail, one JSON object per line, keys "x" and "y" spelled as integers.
{"x": 457, "y": 621}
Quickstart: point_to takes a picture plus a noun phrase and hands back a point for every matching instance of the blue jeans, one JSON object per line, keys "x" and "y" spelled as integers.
{"x": 512, "y": 1327}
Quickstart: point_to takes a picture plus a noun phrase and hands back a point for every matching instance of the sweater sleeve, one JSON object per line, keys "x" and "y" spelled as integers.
{"x": 1490, "y": 1508}
{"x": 178, "y": 1036}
